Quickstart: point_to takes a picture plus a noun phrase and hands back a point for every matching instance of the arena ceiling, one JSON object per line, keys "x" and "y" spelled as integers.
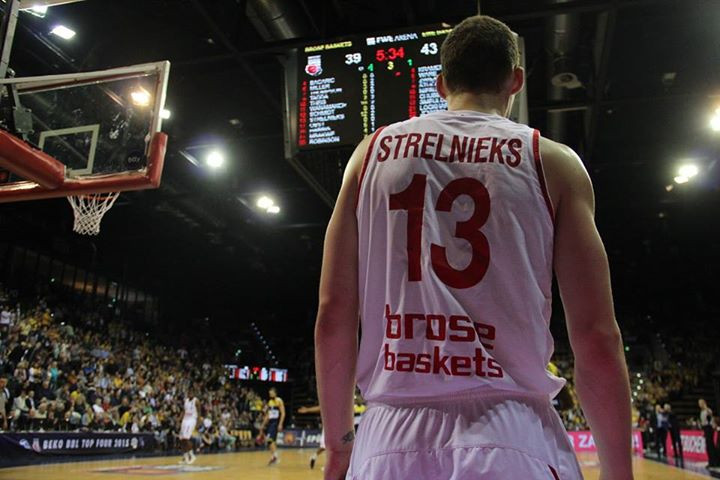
{"x": 649, "y": 80}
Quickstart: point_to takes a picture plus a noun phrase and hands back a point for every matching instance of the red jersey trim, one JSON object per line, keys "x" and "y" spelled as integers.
{"x": 365, "y": 164}
{"x": 541, "y": 173}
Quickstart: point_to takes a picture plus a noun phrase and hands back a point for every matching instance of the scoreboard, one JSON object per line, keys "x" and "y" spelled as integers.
{"x": 262, "y": 374}
{"x": 340, "y": 91}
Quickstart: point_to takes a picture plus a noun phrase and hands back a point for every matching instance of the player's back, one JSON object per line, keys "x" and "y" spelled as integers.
{"x": 190, "y": 408}
{"x": 455, "y": 235}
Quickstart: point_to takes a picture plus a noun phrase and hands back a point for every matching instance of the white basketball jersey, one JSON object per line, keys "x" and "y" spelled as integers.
{"x": 191, "y": 408}
{"x": 455, "y": 260}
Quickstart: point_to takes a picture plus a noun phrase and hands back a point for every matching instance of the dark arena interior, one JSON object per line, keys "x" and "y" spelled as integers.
{"x": 209, "y": 282}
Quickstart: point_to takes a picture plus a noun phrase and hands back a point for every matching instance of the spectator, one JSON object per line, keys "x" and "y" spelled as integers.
{"x": 4, "y": 401}
{"x": 21, "y": 410}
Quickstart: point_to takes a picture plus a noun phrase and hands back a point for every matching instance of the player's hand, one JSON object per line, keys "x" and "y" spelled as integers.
{"x": 337, "y": 465}
{"x": 280, "y": 428}
{"x": 302, "y": 410}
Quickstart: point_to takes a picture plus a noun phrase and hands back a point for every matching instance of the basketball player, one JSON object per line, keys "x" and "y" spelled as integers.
{"x": 321, "y": 448}
{"x": 443, "y": 243}
{"x": 273, "y": 423}
{"x": 190, "y": 416}
{"x": 359, "y": 408}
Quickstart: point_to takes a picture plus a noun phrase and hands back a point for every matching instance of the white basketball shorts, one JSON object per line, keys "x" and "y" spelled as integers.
{"x": 187, "y": 428}
{"x": 496, "y": 436}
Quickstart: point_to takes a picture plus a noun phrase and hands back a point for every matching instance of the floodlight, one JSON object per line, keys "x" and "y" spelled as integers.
{"x": 680, "y": 179}
{"x": 274, "y": 210}
{"x": 215, "y": 159}
{"x": 63, "y": 32}
{"x": 715, "y": 121}
{"x": 165, "y": 114}
{"x": 688, "y": 171}
{"x": 140, "y": 97}
{"x": 265, "y": 202}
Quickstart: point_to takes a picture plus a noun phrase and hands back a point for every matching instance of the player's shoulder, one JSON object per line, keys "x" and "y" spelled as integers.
{"x": 556, "y": 152}
{"x": 562, "y": 165}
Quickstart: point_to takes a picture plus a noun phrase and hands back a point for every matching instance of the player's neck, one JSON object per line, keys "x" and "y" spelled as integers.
{"x": 483, "y": 103}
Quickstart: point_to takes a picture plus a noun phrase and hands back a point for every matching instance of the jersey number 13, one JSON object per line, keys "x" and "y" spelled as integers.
{"x": 412, "y": 200}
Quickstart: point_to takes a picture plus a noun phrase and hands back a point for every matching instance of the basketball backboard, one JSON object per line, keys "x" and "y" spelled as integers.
{"x": 82, "y": 133}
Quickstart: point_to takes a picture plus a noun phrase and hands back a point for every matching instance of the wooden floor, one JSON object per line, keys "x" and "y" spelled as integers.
{"x": 253, "y": 466}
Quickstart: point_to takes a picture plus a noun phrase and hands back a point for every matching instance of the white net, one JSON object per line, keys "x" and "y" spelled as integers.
{"x": 89, "y": 211}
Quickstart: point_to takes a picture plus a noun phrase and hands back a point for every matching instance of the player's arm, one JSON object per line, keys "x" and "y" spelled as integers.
{"x": 282, "y": 415}
{"x": 581, "y": 266}
{"x": 313, "y": 409}
{"x": 336, "y": 329}
{"x": 266, "y": 419}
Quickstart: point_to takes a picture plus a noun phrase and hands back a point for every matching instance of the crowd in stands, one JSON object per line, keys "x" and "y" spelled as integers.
{"x": 69, "y": 368}
{"x": 78, "y": 367}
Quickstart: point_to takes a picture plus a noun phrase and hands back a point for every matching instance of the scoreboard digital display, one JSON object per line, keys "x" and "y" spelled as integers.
{"x": 340, "y": 91}
{"x": 261, "y": 374}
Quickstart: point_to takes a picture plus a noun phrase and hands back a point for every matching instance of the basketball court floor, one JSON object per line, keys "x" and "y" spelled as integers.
{"x": 253, "y": 466}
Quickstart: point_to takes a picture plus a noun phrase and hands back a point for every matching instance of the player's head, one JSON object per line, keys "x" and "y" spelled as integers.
{"x": 480, "y": 56}
{"x": 702, "y": 403}
{"x": 272, "y": 392}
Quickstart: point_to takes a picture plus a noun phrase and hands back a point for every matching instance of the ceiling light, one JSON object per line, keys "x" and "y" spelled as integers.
{"x": 265, "y": 202}
{"x": 38, "y": 10}
{"x": 63, "y": 32}
{"x": 140, "y": 97}
{"x": 215, "y": 159}
{"x": 274, "y": 210}
{"x": 688, "y": 171}
{"x": 165, "y": 114}
{"x": 680, "y": 179}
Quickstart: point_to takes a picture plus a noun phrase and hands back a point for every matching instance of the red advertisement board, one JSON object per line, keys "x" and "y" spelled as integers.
{"x": 583, "y": 441}
{"x": 693, "y": 443}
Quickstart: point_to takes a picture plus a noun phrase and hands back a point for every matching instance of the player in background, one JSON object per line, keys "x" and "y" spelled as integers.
{"x": 442, "y": 243}
{"x": 273, "y": 423}
{"x": 359, "y": 408}
{"x": 187, "y": 427}
{"x": 321, "y": 448}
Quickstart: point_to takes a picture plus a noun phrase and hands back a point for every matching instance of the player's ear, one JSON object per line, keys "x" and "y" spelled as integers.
{"x": 518, "y": 80}
{"x": 440, "y": 86}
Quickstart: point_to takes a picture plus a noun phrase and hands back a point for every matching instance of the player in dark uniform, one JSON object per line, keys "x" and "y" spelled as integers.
{"x": 273, "y": 423}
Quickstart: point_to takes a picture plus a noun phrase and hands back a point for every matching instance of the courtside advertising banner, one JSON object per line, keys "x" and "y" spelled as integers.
{"x": 299, "y": 438}
{"x": 32, "y": 446}
{"x": 693, "y": 445}
{"x": 583, "y": 441}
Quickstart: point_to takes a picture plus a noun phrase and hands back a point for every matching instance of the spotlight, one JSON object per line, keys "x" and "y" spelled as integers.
{"x": 688, "y": 171}
{"x": 140, "y": 97}
{"x": 63, "y": 32}
{"x": 215, "y": 159}
{"x": 680, "y": 179}
{"x": 265, "y": 202}
{"x": 165, "y": 114}
{"x": 274, "y": 210}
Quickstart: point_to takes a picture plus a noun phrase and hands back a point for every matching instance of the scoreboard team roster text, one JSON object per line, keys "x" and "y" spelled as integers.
{"x": 350, "y": 88}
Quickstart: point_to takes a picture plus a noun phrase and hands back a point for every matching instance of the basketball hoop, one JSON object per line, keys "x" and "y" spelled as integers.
{"x": 89, "y": 210}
